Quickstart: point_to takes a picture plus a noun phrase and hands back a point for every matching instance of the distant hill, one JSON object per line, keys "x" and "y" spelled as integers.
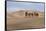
{"x": 21, "y": 12}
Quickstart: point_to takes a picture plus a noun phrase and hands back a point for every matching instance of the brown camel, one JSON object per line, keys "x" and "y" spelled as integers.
{"x": 36, "y": 14}
{"x": 29, "y": 14}
{"x": 25, "y": 13}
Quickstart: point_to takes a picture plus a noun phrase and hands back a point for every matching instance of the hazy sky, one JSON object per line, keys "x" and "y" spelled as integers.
{"x": 12, "y": 6}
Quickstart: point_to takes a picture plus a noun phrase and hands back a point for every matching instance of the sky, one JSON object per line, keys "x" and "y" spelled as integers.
{"x": 12, "y": 6}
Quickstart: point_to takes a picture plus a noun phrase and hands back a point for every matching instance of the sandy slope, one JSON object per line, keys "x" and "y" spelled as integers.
{"x": 17, "y": 20}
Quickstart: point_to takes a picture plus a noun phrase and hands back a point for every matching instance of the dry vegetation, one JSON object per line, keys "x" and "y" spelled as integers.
{"x": 17, "y": 20}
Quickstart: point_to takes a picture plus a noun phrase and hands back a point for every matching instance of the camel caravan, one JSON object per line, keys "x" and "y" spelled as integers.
{"x": 31, "y": 14}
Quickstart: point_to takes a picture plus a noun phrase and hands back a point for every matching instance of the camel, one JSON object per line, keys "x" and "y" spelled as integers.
{"x": 31, "y": 14}
{"x": 36, "y": 14}
{"x": 28, "y": 14}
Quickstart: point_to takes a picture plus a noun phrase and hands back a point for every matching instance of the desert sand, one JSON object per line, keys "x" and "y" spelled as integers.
{"x": 17, "y": 20}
